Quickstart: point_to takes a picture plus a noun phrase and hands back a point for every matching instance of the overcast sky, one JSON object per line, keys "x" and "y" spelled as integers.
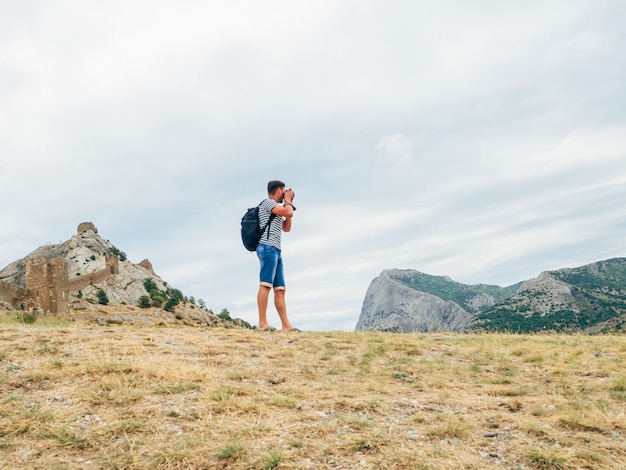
{"x": 482, "y": 140}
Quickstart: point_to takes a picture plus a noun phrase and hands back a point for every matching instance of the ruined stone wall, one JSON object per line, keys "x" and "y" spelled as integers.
{"x": 81, "y": 282}
{"x": 48, "y": 283}
{"x": 113, "y": 264}
{"x": 12, "y": 294}
{"x": 146, "y": 264}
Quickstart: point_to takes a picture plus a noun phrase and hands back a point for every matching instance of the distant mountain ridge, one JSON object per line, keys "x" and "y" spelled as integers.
{"x": 589, "y": 298}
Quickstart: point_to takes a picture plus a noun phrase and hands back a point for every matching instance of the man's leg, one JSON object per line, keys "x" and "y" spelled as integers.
{"x": 281, "y": 308}
{"x": 269, "y": 260}
{"x": 262, "y": 300}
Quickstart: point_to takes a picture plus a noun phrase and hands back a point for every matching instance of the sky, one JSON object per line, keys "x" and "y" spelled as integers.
{"x": 483, "y": 140}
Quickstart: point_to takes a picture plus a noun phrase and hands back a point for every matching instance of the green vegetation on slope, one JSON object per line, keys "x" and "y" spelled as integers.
{"x": 599, "y": 293}
{"x": 449, "y": 290}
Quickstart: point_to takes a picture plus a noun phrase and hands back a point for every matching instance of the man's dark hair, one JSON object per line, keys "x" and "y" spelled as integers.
{"x": 273, "y": 185}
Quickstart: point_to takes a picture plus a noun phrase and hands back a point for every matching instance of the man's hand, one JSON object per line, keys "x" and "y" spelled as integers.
{"x": 289, "y": 195}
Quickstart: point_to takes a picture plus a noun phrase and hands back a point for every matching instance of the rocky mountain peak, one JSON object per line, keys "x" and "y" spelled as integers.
{"x": 393, "y": 304}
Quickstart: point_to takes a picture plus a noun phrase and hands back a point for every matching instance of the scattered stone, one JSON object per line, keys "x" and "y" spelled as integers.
{"x": 275, "y": 379}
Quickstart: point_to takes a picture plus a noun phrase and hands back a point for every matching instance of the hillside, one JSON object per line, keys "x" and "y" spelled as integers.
{"x": 86, "y": 275}
{"x": 472, "y": 298}
{"x": 77, "y": 396}
{"x": 589, "y": 298}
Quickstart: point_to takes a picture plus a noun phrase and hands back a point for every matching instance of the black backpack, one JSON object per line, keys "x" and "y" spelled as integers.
{"x": 251, "y": 232}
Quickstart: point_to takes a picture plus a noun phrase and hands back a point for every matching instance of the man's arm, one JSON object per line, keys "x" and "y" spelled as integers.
{"x": 285, "y": 210}
{"x": 287, "y": 220}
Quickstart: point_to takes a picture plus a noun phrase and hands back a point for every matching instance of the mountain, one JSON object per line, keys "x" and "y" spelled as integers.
{"x": 589, "y": 298}
{"x": 408, "y": 300}
{"x": 87, "y": 273}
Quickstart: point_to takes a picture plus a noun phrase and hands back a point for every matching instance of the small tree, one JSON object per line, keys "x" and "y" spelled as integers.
{"x": 145, "y": 301}
{"x": 201, "y": 304}
{"x": 225, "y": 315}
{"x": 102, "y": 297}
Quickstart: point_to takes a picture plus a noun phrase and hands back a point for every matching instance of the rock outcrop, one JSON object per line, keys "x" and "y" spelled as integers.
{"x": 391, "y": 305}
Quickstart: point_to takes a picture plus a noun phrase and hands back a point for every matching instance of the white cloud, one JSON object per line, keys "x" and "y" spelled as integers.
{"x": 485, "y": 144}
{"x": 395, "y": 149}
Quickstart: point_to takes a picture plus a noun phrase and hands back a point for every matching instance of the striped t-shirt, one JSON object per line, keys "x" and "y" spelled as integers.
{"x": 275, "y": 228}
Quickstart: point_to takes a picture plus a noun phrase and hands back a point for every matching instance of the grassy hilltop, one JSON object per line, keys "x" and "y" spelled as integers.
{"x": 80, "y": 396}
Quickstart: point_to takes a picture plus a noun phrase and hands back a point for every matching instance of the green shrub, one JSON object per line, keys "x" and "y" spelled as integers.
{"x": 169, "y": 299}
{"x": 144, "y": 301}
{"x": 175, "y": 294}
{"x": 158, "y": 298}
{"x": 150, "y": 285}
{"x": 120, "y": 254}
{"x": 102, "y": 297}
{"x": 27, "y": 317}
{"x": 170, "y": 304}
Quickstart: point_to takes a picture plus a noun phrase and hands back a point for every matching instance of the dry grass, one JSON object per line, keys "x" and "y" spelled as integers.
{"x": 80, "y": 396}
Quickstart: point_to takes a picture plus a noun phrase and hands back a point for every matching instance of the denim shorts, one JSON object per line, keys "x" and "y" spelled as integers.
{"x": 272, "y": 274}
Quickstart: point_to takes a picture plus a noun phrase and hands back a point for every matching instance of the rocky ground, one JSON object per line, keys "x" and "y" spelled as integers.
{"x": 184, "y": 314}
{"x": 77, "y": 395}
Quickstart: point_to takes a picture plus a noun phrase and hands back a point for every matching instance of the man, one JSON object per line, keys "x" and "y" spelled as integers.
{"x": 268, "y": 251}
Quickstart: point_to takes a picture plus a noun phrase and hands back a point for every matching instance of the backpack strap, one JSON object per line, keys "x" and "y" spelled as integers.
{"x": 272, "y": 217}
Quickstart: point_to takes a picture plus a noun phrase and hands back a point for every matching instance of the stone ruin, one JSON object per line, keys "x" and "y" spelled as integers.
{"x": 85, "y": 226}
{"x": 47, "y": 283}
